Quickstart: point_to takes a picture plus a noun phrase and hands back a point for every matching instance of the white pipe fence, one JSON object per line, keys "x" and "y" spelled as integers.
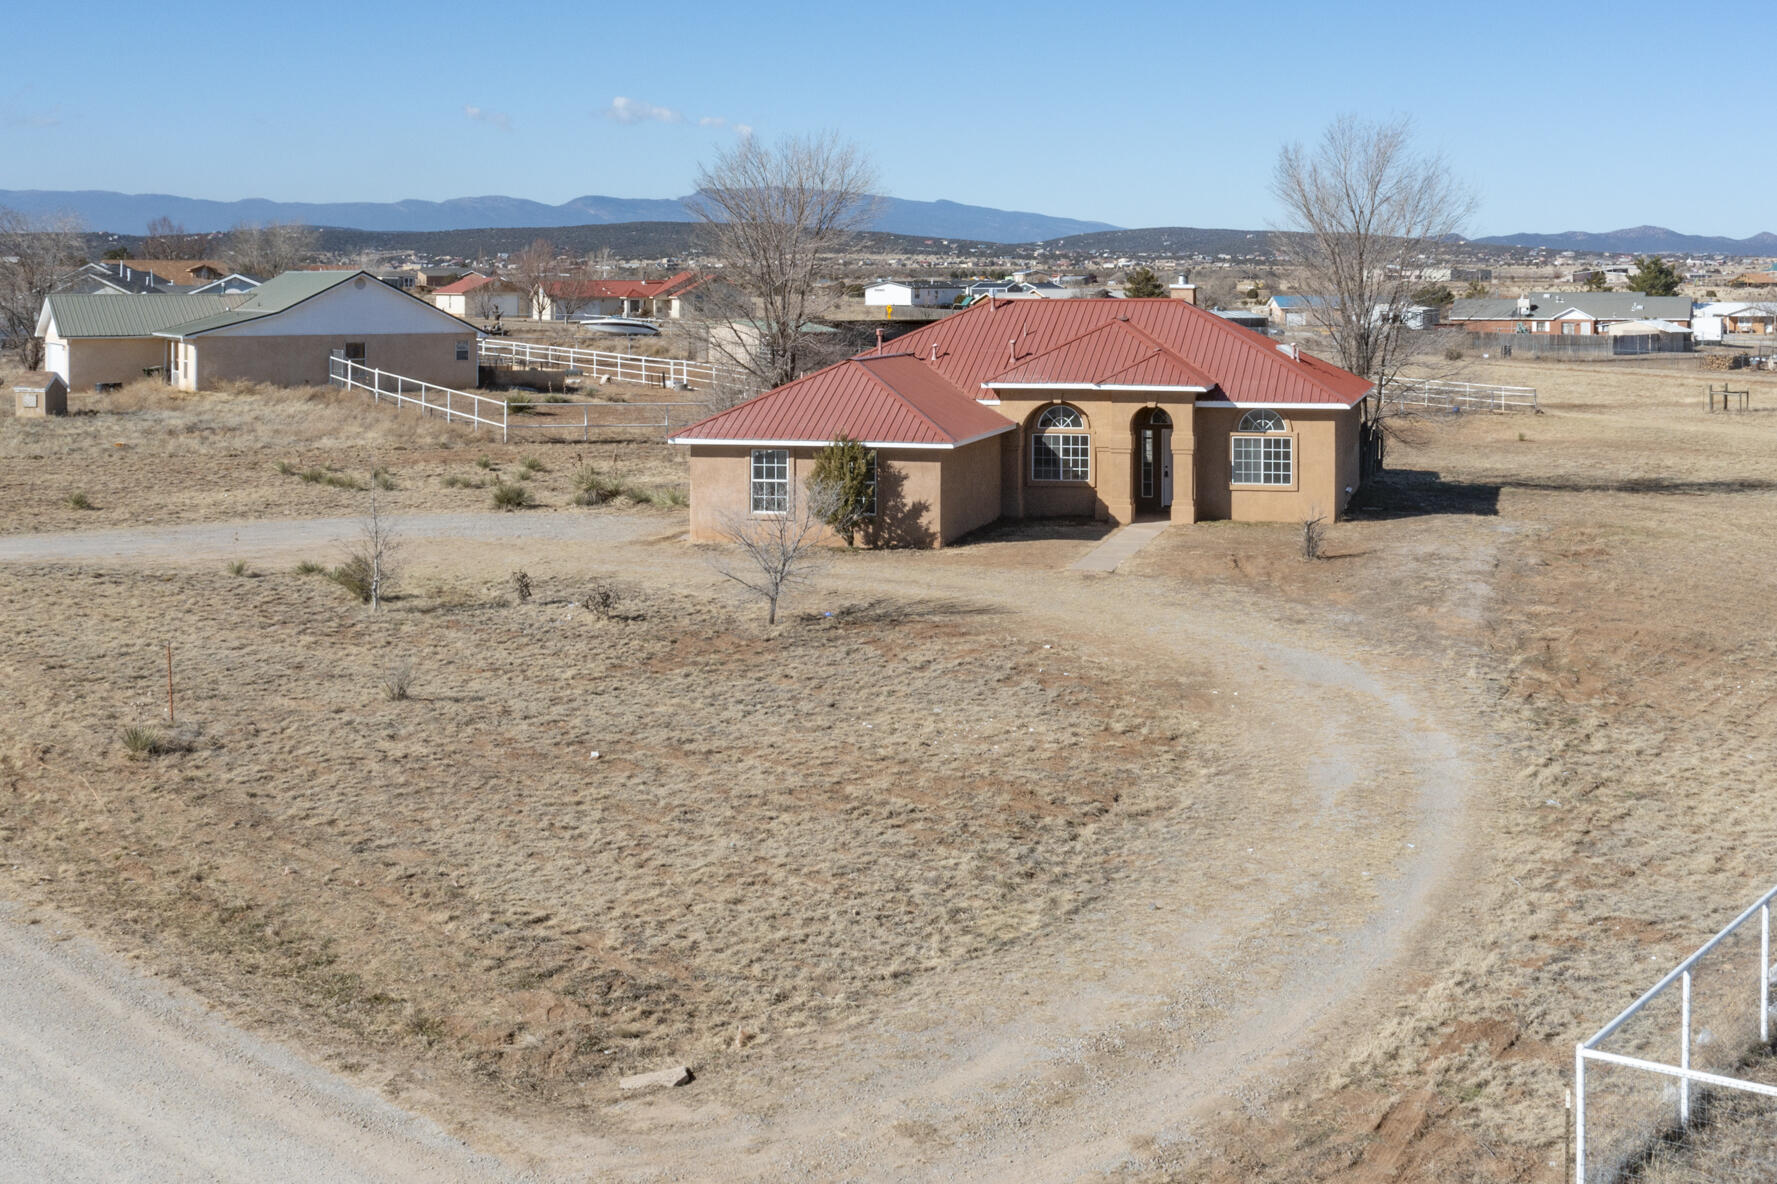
{"x": 1685, "y": 1075}
{"x": 1466, "y": 396}
{"x": 605, "y": 363}
{"x": 584, "y": 416}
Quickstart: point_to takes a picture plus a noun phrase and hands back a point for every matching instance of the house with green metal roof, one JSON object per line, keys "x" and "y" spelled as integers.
{"x": 95, "y": 341}
{"x": 281, "y": 333}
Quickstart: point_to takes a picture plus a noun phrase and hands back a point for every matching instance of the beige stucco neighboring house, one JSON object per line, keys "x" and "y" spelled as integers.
{"x": 284, "y": 332}
{"x": 97, "y": 341}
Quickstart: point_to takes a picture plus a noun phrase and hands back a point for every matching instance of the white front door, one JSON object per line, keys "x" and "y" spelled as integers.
{"x": 1165, "y": 468}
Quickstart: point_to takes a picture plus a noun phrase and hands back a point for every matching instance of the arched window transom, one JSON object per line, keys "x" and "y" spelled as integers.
{"x": 1261, "y": 453}
{"x": 1060, "y": 448}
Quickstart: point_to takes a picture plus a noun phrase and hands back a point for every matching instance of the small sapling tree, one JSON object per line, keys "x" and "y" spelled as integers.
{"x": 776, "y": 549}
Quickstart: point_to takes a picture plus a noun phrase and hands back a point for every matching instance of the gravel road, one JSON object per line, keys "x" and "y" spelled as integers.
{"x": 250, "y": 540}
{"x": 108, "y": 1075}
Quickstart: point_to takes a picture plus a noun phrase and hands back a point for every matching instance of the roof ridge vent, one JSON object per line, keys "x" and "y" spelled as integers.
{"x": 1290, "y": 350}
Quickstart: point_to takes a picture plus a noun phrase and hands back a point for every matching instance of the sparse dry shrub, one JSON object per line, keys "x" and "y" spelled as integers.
{"x": 510, "y": 496}
{"x": 1314, "y": 533}
{"x": 398, "y": 681}
{"x": 521, "y": 584}
{"x": 141, "y": 743}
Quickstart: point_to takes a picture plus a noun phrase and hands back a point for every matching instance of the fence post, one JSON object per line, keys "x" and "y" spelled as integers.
{"x": 1764, "y": 974}
{"x": 505, "y": 418}
{"x": 1579, "y": 1114}
{"x": 1684, "y": 1056}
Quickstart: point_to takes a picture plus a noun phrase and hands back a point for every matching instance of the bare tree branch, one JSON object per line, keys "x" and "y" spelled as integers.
{"x": 777, "y": 215}
{"x": 778, "y": 550}
{"x": 34, "y": 254}
{"x": 1368, "y": 214}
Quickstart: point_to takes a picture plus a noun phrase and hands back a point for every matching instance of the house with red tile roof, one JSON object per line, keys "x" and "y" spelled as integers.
{"x": 480, "y": 297}
{"x": 1093, "y": 408}
{"x": 668, "y": 299}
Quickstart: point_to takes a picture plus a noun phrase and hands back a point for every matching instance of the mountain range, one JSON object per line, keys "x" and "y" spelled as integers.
{"x": 130, "y": 213}
{"x": 1638, "y": 240}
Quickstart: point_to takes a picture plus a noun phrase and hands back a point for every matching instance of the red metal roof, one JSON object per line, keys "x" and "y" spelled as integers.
{"x": 675, "y": 285}
{"x": 992, "y": 337}
{"x": 1115, "y": 353}
{"x": 883, "y": 400}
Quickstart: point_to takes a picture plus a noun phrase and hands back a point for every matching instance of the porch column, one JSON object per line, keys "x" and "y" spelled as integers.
{"x": 1114, "y": 481}
{"x": 1184, "y": 463}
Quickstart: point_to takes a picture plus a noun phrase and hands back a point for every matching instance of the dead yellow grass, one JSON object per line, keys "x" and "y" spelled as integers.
{"x": 151, "y": 455}
{"x": 582, "y": 844}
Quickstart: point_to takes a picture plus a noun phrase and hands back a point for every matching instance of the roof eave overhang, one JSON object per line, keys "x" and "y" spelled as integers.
{"x": 1285, "y": 405}
{"x": 1086, "y": 386}
{"x": 821, "y": 443}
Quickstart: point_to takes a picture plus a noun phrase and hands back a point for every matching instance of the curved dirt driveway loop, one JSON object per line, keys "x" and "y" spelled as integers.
{"x": 1278, "y": 908}
{"x": 107, "y": 1075}
{"x": 1088, "y": 1049}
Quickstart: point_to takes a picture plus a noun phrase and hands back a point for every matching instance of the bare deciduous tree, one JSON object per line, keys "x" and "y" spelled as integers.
{"x": 777, "y": 550}
{"x": 1367, "y": 213}
{"x": 34, "y": 254}
{"x": 372, "y": 567}
{"x": 534, "y": 268}
{"x": 167, "y": 239}
{"x": 266, "y": 251}
{"x": 776, "y": 215}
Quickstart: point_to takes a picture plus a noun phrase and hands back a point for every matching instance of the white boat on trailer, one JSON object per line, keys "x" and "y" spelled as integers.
{"x": 621, "y": 326}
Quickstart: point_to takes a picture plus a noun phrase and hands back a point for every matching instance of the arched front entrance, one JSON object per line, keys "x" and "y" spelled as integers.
{"x": 1153, "y": 461}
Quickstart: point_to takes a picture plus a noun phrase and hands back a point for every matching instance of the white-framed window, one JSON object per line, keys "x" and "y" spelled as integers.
{"x": 771, "y": 481}
{"x": 1060, "y": 447}
{"x": 462, "y": 351}
{"x": 870, "y": 499}
{"x": 1261, "y": 454}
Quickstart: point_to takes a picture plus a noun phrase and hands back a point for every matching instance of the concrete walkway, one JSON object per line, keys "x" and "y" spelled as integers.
{"x": 1122, "y": 543}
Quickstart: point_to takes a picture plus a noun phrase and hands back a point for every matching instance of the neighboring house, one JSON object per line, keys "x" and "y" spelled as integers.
{"x": 667, "y": 299}
{"x": 1716, "y": 319}
{"x": 285, "y": 330}
{"x": 1089, "y": 408}
{"x": 181, "y": 273}
{"x": 438, "y": 277}
{"x": 987, "y": 288}
{"x": 113, "y": 278}
{"x": 913, "y": 293}
{"x": 1041, "y": 290}
{"x": 232, "y": 284}
{"x": 401, "y": 281}
{"x": 1456, "y": 275}
{"x": 1292, "y": 311}
{"x": 95, "y": 341}
{"x": 479, "y": 297}
{"x": 1571, "y": 314}
{"x": 736, "y": 341}
{"x": 1256, "y": 319}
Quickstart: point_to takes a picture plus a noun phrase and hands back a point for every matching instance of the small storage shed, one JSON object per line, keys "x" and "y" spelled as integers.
{"x": 38, "y": 393}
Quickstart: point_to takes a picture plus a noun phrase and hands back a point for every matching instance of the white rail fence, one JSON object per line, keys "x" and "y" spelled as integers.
{"x": 507, "y": 416}
{"x": 1617, "y": 1121}
{"x": 601, "y": 363}
{"x": 1464, "y": 396}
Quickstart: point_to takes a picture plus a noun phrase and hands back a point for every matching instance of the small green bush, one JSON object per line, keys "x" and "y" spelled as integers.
{"x": 354, "y": 576}
{"x": 668, "y": 498}
{"x": 238, "y": 567}
{"x": 455, "y": 482}
{"x": 308, "y": 567}
{"x": 484, "y": 461}
{"x": 533, "y": 465}
{"x": 142, "y": 743}
{"x": 79, "y": 501}
{"x": 510, "y": 496}
{"x": 383, "y": 478}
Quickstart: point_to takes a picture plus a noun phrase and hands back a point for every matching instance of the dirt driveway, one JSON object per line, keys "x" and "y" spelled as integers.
{"x": 1327, "y": 832}
{"x": 107, "y": 1075}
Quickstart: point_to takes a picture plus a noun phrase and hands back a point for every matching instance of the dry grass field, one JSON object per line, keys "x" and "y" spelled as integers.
{"x": 155, "y": 455}
{"x": 786, "y": 835}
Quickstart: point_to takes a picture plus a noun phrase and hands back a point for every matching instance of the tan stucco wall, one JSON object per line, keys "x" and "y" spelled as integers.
{"x": 302, "y": 361}
{"x": 1110, "y": 418}
{"x": 971, "y": 488}
{"x": 911, "y": 490}
{"x": 1325, "y": 463}
{"x": 92, "y": 360}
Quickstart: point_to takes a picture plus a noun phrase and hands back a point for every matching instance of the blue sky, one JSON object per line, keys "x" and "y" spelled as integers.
{"x": 1133, "y": 113}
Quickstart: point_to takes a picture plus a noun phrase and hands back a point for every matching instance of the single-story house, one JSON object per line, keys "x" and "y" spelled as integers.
{"x": 479, "y": 297}
{"x": 1291, "y": 310}
{"x": 232, "y": 284}
{"x": 1720, "y": 317}
{"x": 912, "y": 293}
{"x": 1569, "y": 313}
{"x": 112, "y": 277}
{"x": 1256, "y": 319}
{"x": 285, "y": 330}
{"x": 183, "y": 273}
{"x": 1096, "y": 408}
{"x": 671, "y": 298}
{"x": 97, "y": 341}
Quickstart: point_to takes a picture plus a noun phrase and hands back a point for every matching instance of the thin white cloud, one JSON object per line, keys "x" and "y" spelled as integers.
{"x": 712, "y": 121}
{"x": 499, "y": 119}
{"x": 636, "y": 111}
